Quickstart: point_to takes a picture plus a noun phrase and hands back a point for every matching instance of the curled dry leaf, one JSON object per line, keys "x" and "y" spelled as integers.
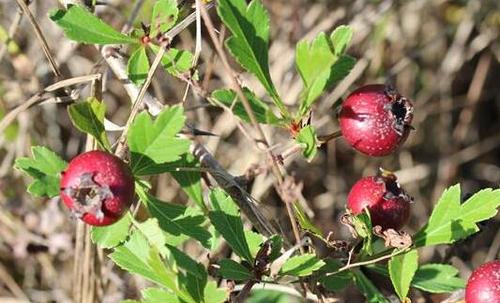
{"x": 393, "y": 238}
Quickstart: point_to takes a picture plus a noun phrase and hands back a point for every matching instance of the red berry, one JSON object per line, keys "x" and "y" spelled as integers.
{"x": 97, "y": 187}
{"x": 484, "y": 284}
{"x": 388, "y": 203}
{"x": 375, "y": 119}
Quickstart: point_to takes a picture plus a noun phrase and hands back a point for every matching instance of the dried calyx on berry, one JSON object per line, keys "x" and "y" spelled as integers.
{"x": 97, "y": 187}
{"x": 387, "y": 202}
{"x": 375, "y": 119}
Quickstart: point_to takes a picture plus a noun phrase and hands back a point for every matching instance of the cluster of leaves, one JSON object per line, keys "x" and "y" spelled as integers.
{"x": 151, "y": 248}
{"x": 320, "y": 63}
{"x": 82, "y": 26}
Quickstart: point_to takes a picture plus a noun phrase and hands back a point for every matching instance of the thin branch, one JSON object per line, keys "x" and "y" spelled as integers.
{"x": 41, "y": 38}
{"x": 227, "y": 182}
{"x": 38, "y": 97}
{"x": 368, "y": 262}
{"x": 120, "y": 150}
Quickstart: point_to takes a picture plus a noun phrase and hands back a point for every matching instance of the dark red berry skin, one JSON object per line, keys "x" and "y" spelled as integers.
{"x": 375, "y": 119}
{"x": 484, "y": 284}
{"x": 388, "y": 208}
{"x": 107, "y": 172}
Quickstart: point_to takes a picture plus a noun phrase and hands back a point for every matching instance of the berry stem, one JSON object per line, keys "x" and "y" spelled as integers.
{"x": 325, "y": 138}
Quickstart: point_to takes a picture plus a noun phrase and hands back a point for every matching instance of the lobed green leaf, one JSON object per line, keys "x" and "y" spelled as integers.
{"x": 322, "y": 63}
{"x": 250, "y": 39}
{"x": 111, "y": 235}
{"x": 451, "y": 221}
{"x": 82, "y": 26}
{"x": 153, "y": 143}
{"x": 45, "y": 167}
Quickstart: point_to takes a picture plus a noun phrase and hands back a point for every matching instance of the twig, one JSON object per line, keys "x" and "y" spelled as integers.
{"x": 38, "y": 97}
{"x": 230, "y": 185}
{"x": 245, "y": 291}
{"x": 120, "y": 149}
{"x": 11, "y": 284}
{"x": 41, "y": 38}
{"x": 368, "y": 262}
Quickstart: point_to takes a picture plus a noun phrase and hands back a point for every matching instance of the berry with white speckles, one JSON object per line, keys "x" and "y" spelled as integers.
{"x": 375, "y": 119}
{"x": 387, "y": 202}
{"x": 97, "y": 187}
{"x": 484, "y": 284}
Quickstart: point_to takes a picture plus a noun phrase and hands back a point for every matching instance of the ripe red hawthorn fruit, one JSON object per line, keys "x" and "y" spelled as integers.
{"x": 97, "y": 187}
{"x": 388, "y": 203}
{"x": 484, "y": 284}
{"x": 375, "y": 119}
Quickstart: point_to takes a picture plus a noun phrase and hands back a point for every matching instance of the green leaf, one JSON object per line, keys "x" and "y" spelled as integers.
{"x": 334, "y": 282}
{"x": 155, "y": 236}
{"x": 152, "y": 143}
{"x": 133, "y": 256}
{"x": 164, "y": 16}
{"x": 187, "y": 263}
{"x": 82, "y": 26}
{"x": 307, "y": 139}
{"x": 179, "y": 221}
{"x": 250, "y": 39}
{"x": 401, "y": 270}
{"x": 437, "y": 278}
{"x": 341, "y": 37}
{"x": 190, "y": 181}
{"x": 451, "y": 221}
{"x": 254, "y": 241}
{"x": 213, "y": 294}
{"x": 263, "y": 114}
{"x": 138, "y": 257}
{"x": 369, "y": 290}
{"x": 322, "y": 63}
{"x": 337, "y": 282}
{"x": 363, "y": 226}
{"x": 268, "y": 296}
{"x": 186, "y": 171}
{"x": 175, "y": 61}
{"x": 305, "y": 222}
{"x": 88, "y": 117}
{"x": 233, "y": 270}
{"x": 226, "y": 219}
{"x": 433, "y": 278}
{"x": 302, "y": 265}
{"x": 45, "y": 167}
{"x": 157, "y": 295}
{"x": 138, "y": 66}
{"x": 194, "y": 285}
{"x": 111, "y": 235}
